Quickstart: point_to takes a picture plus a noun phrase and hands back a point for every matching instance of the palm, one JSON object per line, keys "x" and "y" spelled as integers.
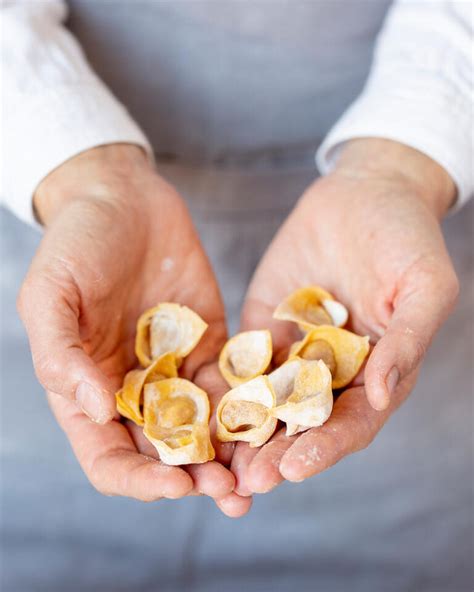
{"x": 109, "y": 267}
{"x": 366, "y": 256}
{"x": 142, "y": 259}
{"x": 372, "y": 259}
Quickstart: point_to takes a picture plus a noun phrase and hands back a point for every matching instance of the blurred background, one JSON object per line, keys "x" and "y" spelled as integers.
{"x": 395, "y": 517}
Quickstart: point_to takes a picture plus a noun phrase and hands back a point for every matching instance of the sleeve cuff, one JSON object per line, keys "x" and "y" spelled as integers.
{"x": 419, "y": 91}
{"x": 63, "y": 123}
{"x": 433, "y": 135}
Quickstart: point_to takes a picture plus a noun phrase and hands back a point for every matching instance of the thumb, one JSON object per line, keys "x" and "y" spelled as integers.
{"x": 419, "y": 310}
{"x": 61, "y": 364}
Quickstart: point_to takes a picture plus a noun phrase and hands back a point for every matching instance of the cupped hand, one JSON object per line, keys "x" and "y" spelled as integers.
{"x": 369, "y": 233}
{"x": 118, "y": 240}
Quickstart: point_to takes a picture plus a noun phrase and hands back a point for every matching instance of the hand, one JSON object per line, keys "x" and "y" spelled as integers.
{"x": 118, "y": 240}
{"x": 369, "y": 233}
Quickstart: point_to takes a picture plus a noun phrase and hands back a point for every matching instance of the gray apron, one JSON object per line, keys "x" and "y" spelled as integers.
{"x": 235, "y": 98}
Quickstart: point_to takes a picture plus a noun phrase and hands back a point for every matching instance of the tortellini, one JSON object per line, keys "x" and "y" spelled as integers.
{"x": 130, "y": 396}
{"x": 303, "y": 394}
{"x": 173, "y": 411}
{"x": 244, "y": 413}
{"x": 300, "y": 391}
{"x": 167, "y": 327}
{"x": 342, "y": 351}
{"x": 245, "y": 356}
{"x": 310, "y": 307}
{"x": 176, "y": 416}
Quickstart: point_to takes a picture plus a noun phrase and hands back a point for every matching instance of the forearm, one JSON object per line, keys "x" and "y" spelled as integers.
{"x": 388, "y": 160}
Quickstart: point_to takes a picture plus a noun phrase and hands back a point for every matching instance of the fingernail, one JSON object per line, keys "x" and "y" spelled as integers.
{"x": 392, "y": 380}
{"x": 90, "y": 402}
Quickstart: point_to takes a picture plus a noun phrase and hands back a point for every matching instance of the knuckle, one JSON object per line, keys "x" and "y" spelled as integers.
{"x": 364, "y": 441}
{"x": 416, "y": 347}
{"x": 97, "y": 485}
{"x": 120, "y": 482}
{"x": 102, "y": 489}
{"x": 364, "y": 438}
{"x": 452, "y": 288}
{"x": 97, "y": 479}
{"x": 47, "y": 369}
{"x": 364, "y": 445}
{"x": 146, "y": 498}
{"x": 365, "y": 427}
{"x": 129, "y": 486}
{"x": 445, "y": 283}
{"x": 24, "y": 297}
{"x": 367, "y": 440}
{"x": 419, "y": 348}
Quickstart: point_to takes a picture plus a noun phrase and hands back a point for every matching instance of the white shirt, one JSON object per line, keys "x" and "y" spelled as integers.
{"x": 419, "y": 92}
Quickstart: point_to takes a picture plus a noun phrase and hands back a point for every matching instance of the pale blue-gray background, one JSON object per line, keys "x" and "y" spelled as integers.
{"x": 396, "y": 517}
{"x": 235, "y": 97}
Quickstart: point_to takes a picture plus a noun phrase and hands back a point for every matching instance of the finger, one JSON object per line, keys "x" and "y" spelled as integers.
{"x": 257, "y": 314}
{"x": 111, "y": 462}
{"x": 234, "y": 506}
{"x": 419, "y": 310}
{"x": 243, "y": 456}
{"x": 263, "y": 473}
{"x": 51, "y": 320}
{"x": 211, "y": 479}
{"x": 142, "y": 444}
{"x": 352, "y": 427}
{"x": 224, "y": 450}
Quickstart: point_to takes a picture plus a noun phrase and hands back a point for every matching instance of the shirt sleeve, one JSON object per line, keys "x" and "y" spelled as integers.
{"x": 54, "y": 105}
{"x": 419, "y": 91}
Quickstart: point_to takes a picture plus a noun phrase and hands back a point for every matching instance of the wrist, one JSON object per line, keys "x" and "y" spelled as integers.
{"x": 93, "y": 173}
{"x": 385, "y": 159}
